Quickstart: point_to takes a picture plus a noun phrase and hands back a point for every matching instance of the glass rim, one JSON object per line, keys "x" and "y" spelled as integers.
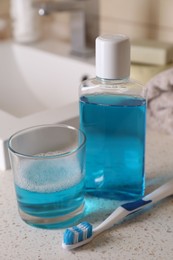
{"x": 78, "y": 147}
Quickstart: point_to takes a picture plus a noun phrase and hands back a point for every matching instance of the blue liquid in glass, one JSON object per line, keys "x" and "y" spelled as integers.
{"x": 49, "y": 195}
{"x": 115, "y": 129}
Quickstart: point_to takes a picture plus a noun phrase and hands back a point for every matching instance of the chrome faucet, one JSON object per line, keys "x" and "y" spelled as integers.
{"x": 84, "y": 29}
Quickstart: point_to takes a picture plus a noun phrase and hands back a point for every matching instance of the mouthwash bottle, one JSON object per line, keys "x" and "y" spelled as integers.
{"x": 113, "y": 118}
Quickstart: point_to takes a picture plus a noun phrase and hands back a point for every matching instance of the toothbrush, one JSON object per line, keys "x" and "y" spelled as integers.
{"x": 83, "y": 233}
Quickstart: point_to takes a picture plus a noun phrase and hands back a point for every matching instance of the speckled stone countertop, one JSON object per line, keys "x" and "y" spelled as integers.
{"x": 143, "y": 236}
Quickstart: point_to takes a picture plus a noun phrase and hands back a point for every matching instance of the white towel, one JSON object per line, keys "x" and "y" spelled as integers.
{"x": 159, "y": 94}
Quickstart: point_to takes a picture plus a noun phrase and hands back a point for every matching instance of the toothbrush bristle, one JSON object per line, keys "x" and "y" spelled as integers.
{"x": 77, "y": 233}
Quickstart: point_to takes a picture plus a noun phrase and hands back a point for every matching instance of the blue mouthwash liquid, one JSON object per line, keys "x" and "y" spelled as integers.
{"x": 50, "y": 195}
{"x": 115, "y": 129}
{"x": 51, "y": 207}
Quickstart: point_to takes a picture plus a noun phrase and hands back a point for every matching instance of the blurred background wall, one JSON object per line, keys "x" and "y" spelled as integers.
{"x": 151, "y": 19}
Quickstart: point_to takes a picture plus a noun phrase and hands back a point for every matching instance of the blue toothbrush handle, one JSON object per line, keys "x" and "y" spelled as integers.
{"x": 131, "y": 207}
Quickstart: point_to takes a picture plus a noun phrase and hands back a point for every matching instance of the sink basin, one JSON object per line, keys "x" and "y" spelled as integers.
{"x": 36, "y": 87}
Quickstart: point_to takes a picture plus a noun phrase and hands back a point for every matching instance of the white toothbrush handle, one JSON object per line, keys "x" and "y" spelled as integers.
{"x": 160, "y": 193}
{"x": 131, "y": 207}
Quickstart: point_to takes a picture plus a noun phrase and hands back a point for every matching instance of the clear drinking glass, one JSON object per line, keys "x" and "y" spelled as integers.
{"x": 48, "y": 167}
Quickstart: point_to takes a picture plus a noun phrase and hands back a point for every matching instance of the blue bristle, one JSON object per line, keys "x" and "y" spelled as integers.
{"x": 90, "y": 230}
{"x": 84, "y": 231}
{"x": 68, "y": 237}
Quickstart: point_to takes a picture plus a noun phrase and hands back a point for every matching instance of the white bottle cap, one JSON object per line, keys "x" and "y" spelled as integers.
{"x": 113, "y": 56}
